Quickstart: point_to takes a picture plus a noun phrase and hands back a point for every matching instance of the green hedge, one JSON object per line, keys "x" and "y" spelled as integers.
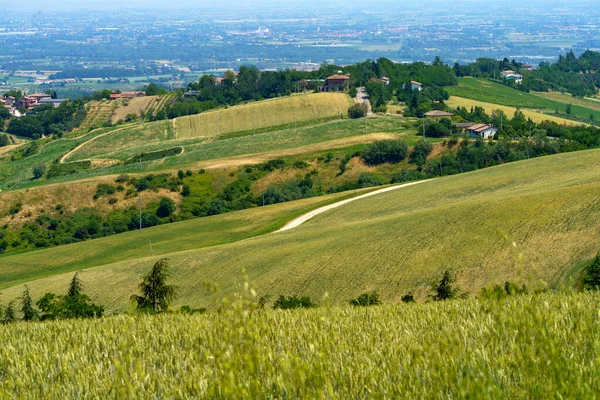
{"x": 68, "y": 168}
{"x": 155, "y": 155}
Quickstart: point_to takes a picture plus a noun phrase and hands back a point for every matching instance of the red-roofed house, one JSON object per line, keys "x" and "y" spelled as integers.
{"x": 336, "y": 83}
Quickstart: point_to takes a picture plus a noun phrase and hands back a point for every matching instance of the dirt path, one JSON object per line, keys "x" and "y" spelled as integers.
{"x": 363, "y": 97}
{"x": 303, "y": 218}
{"x": 64, "y": 158}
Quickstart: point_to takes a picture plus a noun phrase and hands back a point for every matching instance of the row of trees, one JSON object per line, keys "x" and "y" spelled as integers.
{"x": 49, "y": 120}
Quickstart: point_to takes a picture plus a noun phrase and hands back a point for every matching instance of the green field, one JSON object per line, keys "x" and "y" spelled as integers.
{"x": 180, "y": 236}
{"x": 543, "y": 346}
{"x": 492, "y": 92}
{"x": 517, "y": 222}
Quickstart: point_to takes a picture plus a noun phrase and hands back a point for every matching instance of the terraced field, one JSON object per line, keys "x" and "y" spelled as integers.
{"x": 531, "y": 222}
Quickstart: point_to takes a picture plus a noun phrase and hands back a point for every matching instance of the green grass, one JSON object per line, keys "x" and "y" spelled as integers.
{"x": 528, "y": 222}
{"x": 543, "y": 346}
{"x": 492, "y": 92}
{"x": 197, "y": 150}
{"x": 187, "y": 235}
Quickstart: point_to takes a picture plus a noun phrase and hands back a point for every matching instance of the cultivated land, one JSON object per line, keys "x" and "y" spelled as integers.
{"x": 492, "y": 92}
{"x": 535, "y": 116}
{"x": 517, "y": 222}
{"x": 541, "y": 346}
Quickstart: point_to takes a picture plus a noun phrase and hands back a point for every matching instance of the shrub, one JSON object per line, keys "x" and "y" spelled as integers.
{"x": 104, "y": 189}
{"x": 366, "y": 299}
{"x": 155, "y": 155}
{"x": 408, "y": 298}
{"x": 15, "y": 208}
{"x": 357, "y": 111}
{"x": 385, "y": 151}
{"x": 407, "y": 175}
{"x": 369, "y": 179}
{"x": 122, "y": 178}
{"x": 112, "y": 200}
{"x": 4, "y": 140}
{"x": 420, "y": 152}
{"x": 185, "y": 191}
{"x": 381, "y": 109}
{"x": 68, "y": 168}
{"x": 444, "y": 290}
{"x": 288, "y": 303}
{"x": 591, "y": 279}
{"x": 301, "y": 164}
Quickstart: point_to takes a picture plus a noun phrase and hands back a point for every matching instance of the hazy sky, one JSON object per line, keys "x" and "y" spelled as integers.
{"x": 65, "y": 5}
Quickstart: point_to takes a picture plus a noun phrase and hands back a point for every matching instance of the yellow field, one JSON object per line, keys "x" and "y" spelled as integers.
{"x": 263, "y": 114}
{"x": 456, "y": 101}
{"x": 514, "y": 222}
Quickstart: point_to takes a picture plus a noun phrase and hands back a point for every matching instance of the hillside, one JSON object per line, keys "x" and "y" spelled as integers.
{"x": 463, "y": 349}
{"x": 491, "y": 92}
{"x": 514, "y": 222}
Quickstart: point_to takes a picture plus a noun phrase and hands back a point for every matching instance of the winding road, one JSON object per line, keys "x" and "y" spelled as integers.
{"x": 303, "y": 218}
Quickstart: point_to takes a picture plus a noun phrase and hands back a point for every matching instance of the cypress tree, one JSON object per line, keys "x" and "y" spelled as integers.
{"x": 29, "y": 313}
{"x": 156, "y": 294}
{"x": 75, "y": 287}
{"x": 9, "y": 313}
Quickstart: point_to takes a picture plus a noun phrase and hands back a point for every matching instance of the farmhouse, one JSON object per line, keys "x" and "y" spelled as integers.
{"x": 26, "y": 102}
{"x": 54, "y": 102}
{"x": 482, "y": 130}
{"x": 39, "y": 96}
{"x": 414, "y": 85}
{"x": 129, "y": 95}
{"x": 511, "y": 76}
{"x": 436, "y": 115}
{"x": 337, "y": 82}
{"x": 385, "y": 80}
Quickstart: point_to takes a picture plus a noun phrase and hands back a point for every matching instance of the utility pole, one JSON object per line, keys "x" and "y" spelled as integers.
{"x": 151, "y": 252}
{"x": 253, "y": 132}
{"x": 423, "y": 125}
{"x": 140, "y": 207}
{"x": 365, "y": 122}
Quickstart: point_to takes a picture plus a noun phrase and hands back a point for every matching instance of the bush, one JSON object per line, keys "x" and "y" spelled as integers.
{"x": 155, "y": 155}
{"x": 420, "y": 152}
{"x": 407, "y": 175}
{"x": 68, "y": 168}
{"x": 39, "y": 170}
{"x": 591, "y": 279}
{"x": 15, "y": 209}
{"x": 381, "y": 109}
{"x": 4, "y": 140}
{"x": 165, "y": 208}
{"x": 408, "y": 298}
{"x": 357, "y": 111}
{"x": 104, "y": 189}
{"x": 369, "y": 179}
{"x": 384, "y": 151}
{"x": 291, "y": 302}
{"x": 122, "y": 179}
{"x": 366, "y": 299}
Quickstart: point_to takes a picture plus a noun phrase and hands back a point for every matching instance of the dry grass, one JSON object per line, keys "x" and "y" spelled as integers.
{"x": 456, "y": 101}
{"x": 263, "y": 114}
{"x": 135, "y": 106}
{"x": 567, "y": 98}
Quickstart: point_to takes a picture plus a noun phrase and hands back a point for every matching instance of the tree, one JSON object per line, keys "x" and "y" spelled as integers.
{"x": 156, "y": 294}
{"x": 383, "y": 151}
{"x": 165, "y": 208}
{"x": 591, "y": 280}
{"x": 569, "y": 109}
{"x": 408, "y": 298}
{"x": 154, "y": 90}
{"x": 291, "y": 302}
{"x": 357, "y": 111}
{"x": 445, "y": 291}
{"x": 4, "y": 113}
{"x": 27, "y": 127}
{"x": 74, "y": 305}
{"x": 39, "y": 170}
{"x": 4, "y": 140}
{"x": 420, "y": 152}
{"x": 29, "y": 313}
{"x": 9, "y": 313}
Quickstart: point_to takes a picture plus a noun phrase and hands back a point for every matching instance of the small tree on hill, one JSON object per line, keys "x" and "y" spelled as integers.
{"x": 74, "y": 305}
{"x": 357, "y": 111}
{"x": 75, "y": 287}
{"x": 29, "y": 313}
{"x": 156, "y": 294}
{"x": 445, "y": 291}
{"x": 165, "y": 208}
{"x": 408, "y": 298}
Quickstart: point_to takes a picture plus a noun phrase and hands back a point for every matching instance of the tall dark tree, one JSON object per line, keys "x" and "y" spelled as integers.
{"x": 29, "y": 313}
{"x": 75, "y": 287}
{"x": 9, "y": 313}
{"x": 156, "y": 294}
{"x": 445, "y": 291}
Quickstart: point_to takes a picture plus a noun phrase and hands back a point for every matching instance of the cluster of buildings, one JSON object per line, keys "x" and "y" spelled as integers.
{"x": 28, "y": 102}
{"x": 483, "y": 131}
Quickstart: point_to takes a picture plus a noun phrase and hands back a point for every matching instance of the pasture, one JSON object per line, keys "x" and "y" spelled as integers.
{"x": 540, "y": 346}
{"x": 514, "y": 222}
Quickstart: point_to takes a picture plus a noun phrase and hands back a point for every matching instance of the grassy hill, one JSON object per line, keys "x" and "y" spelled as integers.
{"x": 516, "y": 222}
{"x": 541, "y": 346}
{"x": 492, "y": 92}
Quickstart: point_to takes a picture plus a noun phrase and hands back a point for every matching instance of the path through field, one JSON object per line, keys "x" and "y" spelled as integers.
{"x": 303, "y": 218}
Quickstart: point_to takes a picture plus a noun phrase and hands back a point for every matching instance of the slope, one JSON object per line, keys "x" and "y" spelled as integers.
{"x": 531, "y": 222}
